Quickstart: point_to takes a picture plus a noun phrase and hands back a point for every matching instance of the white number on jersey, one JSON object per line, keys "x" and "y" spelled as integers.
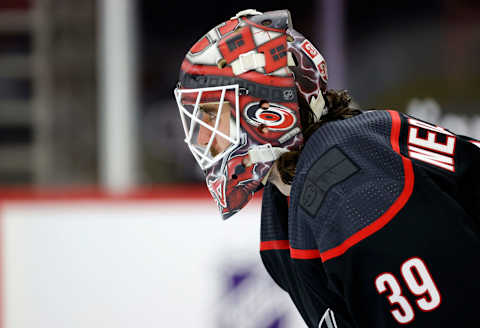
{"x": 419, "y": 282}
{"x": 404, "y": 314}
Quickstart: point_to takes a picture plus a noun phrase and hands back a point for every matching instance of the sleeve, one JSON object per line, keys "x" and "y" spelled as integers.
{"x": 310, "y": 296}
{"x": 274, "y": 245}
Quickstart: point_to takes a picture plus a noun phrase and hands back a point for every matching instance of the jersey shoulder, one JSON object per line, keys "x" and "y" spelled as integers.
{"x": 348, "y": 176}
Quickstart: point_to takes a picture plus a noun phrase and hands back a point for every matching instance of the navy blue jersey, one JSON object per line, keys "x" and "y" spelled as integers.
{"x": 382, "y": 226}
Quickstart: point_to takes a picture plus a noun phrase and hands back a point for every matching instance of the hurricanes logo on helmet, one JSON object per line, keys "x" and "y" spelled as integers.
{"x": 275, "y": 117}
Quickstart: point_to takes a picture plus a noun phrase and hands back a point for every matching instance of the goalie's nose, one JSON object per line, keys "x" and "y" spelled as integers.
{"x": 204, "y": 135}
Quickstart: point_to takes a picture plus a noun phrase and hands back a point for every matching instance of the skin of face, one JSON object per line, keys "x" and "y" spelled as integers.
{"x": 208, "y": 115}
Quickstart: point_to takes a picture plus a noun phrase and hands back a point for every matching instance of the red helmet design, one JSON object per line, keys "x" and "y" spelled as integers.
{"x": 238, "y": 101}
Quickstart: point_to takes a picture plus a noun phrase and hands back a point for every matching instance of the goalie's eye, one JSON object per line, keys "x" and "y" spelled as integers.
{"x": 210, "y": 112}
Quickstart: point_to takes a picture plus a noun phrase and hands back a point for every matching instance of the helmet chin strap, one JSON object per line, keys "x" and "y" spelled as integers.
{"x": 266, "y": 153}
{"x": 318, "y": 107}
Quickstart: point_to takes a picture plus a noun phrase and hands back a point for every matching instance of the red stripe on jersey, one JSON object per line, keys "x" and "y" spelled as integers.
{"x": 301, "y": 254}
{"x": 274, "y": 244}
{"x": 395, "y": 132}
{"x": 304, "y": 254}
{"x": 393, "y": 210}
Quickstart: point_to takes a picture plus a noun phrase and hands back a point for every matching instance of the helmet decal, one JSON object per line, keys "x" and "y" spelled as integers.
{"x": 276, "y": 117}
{"x": 316, "y": 57}
{"x": 217, "y": 189}
{"x": 232, "y": 184}
{"x": 237, "y": 43}
{"x": 201, "y": 45}
{"x": 311, "y": 71}
{"x": 227, "y": 27}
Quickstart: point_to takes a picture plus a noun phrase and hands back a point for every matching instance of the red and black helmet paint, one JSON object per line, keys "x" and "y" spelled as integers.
{"x": 209, "y": 63}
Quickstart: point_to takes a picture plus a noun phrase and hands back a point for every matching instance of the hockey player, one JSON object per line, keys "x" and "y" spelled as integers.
{"x": 369, "y": 219}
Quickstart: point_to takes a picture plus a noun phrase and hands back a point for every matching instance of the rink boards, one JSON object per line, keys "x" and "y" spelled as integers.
{"x": 108, "y": 262}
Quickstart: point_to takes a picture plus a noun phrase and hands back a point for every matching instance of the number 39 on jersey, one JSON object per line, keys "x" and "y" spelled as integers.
{"x": 420, "y": 283}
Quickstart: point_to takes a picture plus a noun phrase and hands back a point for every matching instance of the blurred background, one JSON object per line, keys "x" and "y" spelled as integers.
{"x": 86, "y": 101}
{"x": 54, "y": 79}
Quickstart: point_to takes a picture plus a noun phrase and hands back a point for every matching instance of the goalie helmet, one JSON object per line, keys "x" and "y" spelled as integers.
{"x": 237, "y": 97}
